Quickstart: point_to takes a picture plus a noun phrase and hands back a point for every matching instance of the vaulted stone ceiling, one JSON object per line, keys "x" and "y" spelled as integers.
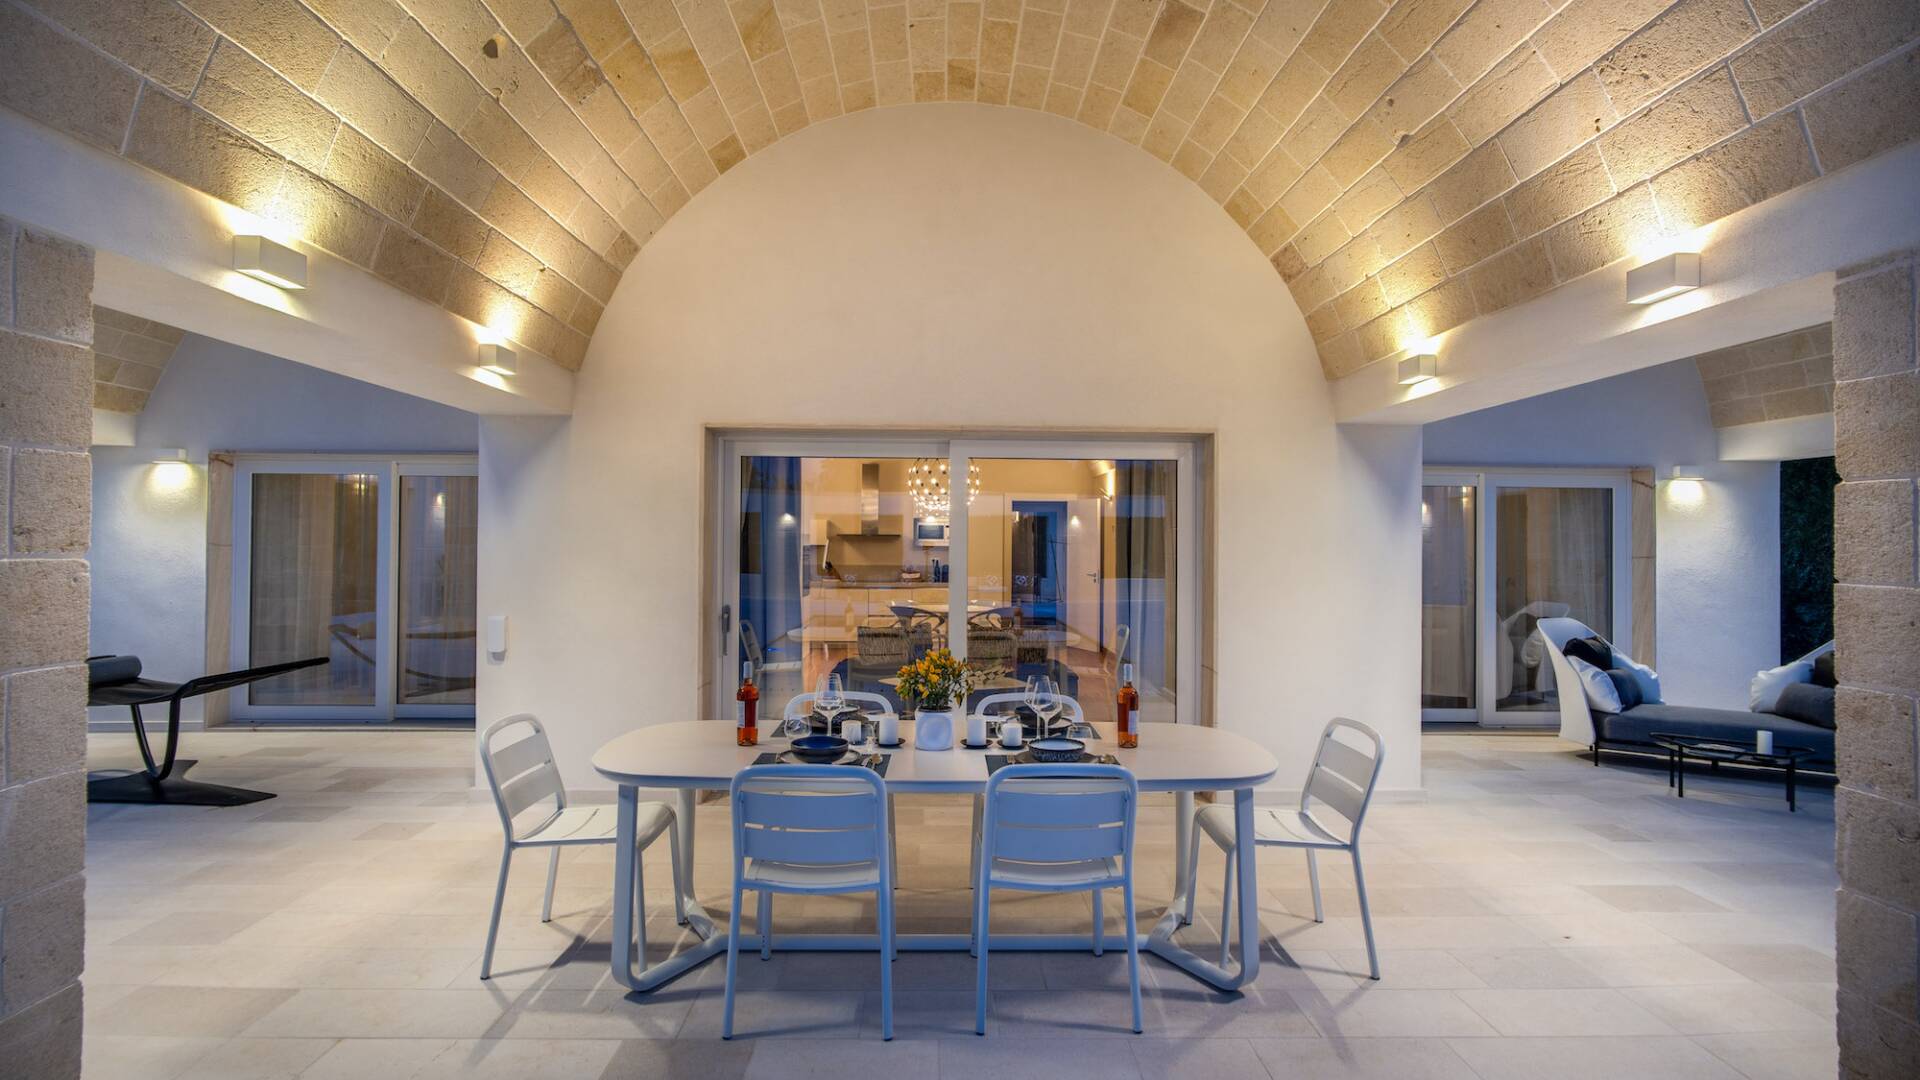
{"x": 1405, "y": 166}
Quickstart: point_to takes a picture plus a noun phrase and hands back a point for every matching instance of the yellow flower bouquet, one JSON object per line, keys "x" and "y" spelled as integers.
{"x": 937, "y": 680}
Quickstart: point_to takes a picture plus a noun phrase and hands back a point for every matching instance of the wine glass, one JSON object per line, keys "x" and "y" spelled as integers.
{"x": 1044, "y": 704}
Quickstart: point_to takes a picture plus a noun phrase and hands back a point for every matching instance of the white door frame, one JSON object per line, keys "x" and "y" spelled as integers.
{"x": 1487, "y": 482}
{"x": 386, "y": 469}
{"x": 725, "y": 555}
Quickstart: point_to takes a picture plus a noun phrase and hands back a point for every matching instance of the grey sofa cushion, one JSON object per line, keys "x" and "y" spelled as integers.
{"x": 1808, "y": 703}
{"x": 1638, "y": 725}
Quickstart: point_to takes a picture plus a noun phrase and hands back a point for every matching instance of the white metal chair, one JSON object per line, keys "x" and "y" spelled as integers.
{"x": 1057, "y": 828}
{"x": 814, "y": 830}
{"x": 1340, "y": 780}
{"x": 800, "y": 705}
{"x": 522, "y": 774}
{"x": 1074, "y": 714}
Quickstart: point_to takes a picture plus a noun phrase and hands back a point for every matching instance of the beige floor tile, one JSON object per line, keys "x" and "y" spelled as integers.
{"x": 1670, "y": 1058}
{"x": 1730, "y": 1008}
{"x": 1362, "y": 1059}
{"x": 260, "y": 1059}
{"x": 1389, "y": 1013}
{"x": 1776, "y": 1055}
{"x": 1563, "y": 1013}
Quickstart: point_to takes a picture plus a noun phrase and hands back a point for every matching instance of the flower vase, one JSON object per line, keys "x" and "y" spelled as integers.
{"x": 933, "y": 728}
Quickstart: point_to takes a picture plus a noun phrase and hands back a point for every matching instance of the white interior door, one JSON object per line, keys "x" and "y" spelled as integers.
{"x": 1083, "y": 571}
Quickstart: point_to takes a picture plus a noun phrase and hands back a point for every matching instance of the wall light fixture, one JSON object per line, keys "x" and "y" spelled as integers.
{"x": 268, "y": 261}
{"x": 1669, "y": 275}
{"x": 1417, "y": 368}
{"x": 498, "y": 359}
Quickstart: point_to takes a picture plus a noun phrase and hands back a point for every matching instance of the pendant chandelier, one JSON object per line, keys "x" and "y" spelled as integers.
{"x": 932, "y": 495}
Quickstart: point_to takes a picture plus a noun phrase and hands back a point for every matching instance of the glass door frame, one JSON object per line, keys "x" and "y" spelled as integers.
{"x": 959, "y": 452}
{"x": 387, "y": 469}
{"x": 1487, "y": 482}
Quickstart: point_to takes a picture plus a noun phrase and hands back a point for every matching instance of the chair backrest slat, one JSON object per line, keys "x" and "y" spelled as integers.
{"x": 1059, "y": 809}
{"x": 513, "y": 759}
{"x": 520, "y": 773}
{"x": 802, "y": 704}
{"x": 1343, "y": 776}
{"x": 986, "y": 705}
{"x": 1349, "y": 764}
{"x": 1058, "y": 845}
{"x": 811, "y": 847}
{"x": 527, "y": 789}
{"x": 807, "y": 811}
{"x": 813, "y": 815}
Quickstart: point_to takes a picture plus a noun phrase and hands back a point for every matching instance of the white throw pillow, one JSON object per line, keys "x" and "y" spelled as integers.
{"x": 1767, "y": 686}
{"x": 1601, "y": 693}
{"x": 1647, "y": 679}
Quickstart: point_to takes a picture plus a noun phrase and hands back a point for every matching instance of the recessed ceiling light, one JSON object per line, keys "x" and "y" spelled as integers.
{"x": 498, "y": 359}
{"x": 1667, "y": 276}
{"x": 273, "y": 263}
{"x": 1417, "y": 368}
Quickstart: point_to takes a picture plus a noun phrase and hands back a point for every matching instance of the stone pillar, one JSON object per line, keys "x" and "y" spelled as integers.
{"x": 46, "y": 427}
{"x": 1877, "y": 620}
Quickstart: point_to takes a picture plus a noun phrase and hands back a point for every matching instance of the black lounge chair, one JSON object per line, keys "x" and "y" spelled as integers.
{"x": 115, "y": 680}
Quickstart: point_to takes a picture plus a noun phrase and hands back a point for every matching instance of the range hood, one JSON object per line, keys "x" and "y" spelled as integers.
{"x": 870, "y": 498}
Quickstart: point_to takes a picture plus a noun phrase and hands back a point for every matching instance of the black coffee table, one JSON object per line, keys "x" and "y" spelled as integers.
{"x": 1716, "y": 751}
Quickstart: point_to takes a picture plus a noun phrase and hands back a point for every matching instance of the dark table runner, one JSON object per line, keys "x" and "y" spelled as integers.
{"x": 773, "y": 758}
{"x": 996, "y": 762}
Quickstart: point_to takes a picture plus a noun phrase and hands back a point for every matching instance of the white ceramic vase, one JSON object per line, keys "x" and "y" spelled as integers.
{"x": 933, "y": 729}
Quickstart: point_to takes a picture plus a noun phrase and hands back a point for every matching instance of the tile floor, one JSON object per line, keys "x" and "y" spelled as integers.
{"x": 1538, "y": 917}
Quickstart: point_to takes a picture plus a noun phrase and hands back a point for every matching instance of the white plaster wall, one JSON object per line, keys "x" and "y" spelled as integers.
{"x": 1718, "y": 558}
{"x": 150, "y": 533}
{"x": 965, "y": 268}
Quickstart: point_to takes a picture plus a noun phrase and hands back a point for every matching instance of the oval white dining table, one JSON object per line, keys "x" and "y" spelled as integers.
{"x": 694, "y": 756}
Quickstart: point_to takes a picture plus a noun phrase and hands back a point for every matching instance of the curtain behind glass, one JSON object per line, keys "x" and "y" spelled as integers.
{"x": 439, "y": 548}
{"x": 314, "y": 581}
{"x": 1144, "y": 509}
{"x": 1555, "y": 558}
{"x": 770, "y": 572}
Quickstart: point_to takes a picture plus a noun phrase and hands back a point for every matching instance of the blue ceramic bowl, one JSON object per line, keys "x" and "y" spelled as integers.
{"x": 819, "y": 748}
{"x": 1056, "y": 749}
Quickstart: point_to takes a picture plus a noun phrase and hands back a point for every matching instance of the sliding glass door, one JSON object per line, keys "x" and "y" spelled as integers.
{"x": 369, "y": 563}
{"x": 853, "y": 557}
{"x": 1502, "y": 550}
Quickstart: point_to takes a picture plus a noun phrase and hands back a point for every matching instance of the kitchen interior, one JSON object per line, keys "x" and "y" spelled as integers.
{"x": 846, "y": 566}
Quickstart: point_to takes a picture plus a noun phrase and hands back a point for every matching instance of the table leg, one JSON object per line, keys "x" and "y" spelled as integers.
{"x": 1160, "y": 941}
{"x": 1182, "y": 837}
{"x": 1680, "y": 772}
{"x": 1791, "y": 807}
{"x": 646, "y": 977}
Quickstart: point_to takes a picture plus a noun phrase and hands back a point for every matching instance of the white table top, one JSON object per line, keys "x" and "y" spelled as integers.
{"x": 701, "y": 754}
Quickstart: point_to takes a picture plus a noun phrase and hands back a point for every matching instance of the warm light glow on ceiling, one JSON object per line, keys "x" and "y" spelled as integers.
{"x": 258, "y": 291}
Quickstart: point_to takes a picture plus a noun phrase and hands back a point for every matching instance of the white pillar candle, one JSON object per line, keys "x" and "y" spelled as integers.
{"x": 888, "y": 728}
{"x": 1763, "y": 742}
{"x": 977, "y": 729}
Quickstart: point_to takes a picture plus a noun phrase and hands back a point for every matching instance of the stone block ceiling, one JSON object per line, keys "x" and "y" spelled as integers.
{"x": 1777, "y": 378}
{"x": 129, "y": 355}
{"x": 1405, "y": 166}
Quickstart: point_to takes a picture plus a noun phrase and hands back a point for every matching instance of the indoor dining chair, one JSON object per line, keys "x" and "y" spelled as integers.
{"x": 815, "y": 830}
{"x": 522, "y": 775}
{"x": 1340, "y": 783}
{"x": 1056, "y": 829}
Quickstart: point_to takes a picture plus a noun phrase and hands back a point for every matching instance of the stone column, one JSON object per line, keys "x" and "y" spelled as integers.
{"x": 1877, "y": 619}
{"x": 46, "y": 427}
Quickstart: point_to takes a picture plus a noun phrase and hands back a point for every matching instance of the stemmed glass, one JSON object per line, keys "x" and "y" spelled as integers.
{"x": 1040, "y": 698}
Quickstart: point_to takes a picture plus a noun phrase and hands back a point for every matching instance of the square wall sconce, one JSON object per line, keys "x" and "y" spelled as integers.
{"x": 1417, "y": 368}
{"x": 498, "y": 359}
{"x": 1669, "y": 275}
{"x": 1685, "y": 472}
{"x": 171, "y": 455}
{"x": 276, "y": 264}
